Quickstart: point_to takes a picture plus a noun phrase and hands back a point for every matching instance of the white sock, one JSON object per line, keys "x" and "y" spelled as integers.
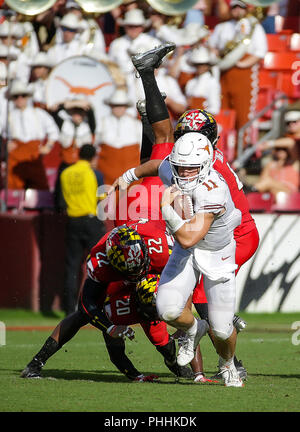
{"x": 193, "y": 329}
{"x": 225, "y": 363}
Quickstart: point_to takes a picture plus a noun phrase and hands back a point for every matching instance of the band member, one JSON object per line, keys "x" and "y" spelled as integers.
{"x": 239, "y": 71}
{"x": 32, "y": 133}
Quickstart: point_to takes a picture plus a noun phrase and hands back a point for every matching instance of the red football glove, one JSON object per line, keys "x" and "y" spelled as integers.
{"x": 147, "y": 378}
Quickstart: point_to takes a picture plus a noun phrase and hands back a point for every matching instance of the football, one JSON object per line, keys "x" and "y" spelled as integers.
{"x": 183, "y": 205}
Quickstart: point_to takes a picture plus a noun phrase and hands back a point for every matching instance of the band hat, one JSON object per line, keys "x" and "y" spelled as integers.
{"x": 72, "y": 5}
{"x": 15, "y": 30}
{"x": 188, "y": 35}
{"x": 201, "y": 55}
{"x": 18, "y": 87}
{"x": 239, "y": 3}
{"x": 78, "y": 102}
{"x": 118, "y": 98}
{"x": 138, "y": 47}
{"x": 134, "y": 17}
{"x": 194, "y": 32}
{"x": 70, "y": 21}
{"x": 292, "y": 116}
{"x": 42, "y": 59}
{"x": 5, "y": 52}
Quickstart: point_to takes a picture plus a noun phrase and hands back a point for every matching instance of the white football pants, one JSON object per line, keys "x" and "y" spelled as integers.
{"x": 180, "y": 277}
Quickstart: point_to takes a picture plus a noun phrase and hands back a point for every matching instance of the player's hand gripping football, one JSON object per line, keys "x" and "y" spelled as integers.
{"x": 169, "y": 196}
{"x": 121, "y": 331}
{"x": 119, "y": 184}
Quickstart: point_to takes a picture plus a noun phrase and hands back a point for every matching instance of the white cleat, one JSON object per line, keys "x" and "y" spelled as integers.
{"x": 231, "y": 377}
{"x": 186, "y": 352}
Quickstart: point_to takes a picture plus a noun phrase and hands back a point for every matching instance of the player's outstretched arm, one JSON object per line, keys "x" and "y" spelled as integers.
{"x": 147, "y": 169}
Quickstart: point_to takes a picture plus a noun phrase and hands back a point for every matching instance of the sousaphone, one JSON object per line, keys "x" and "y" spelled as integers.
{"x": 98, "y": 6}
{"x": 261, "y": 3}
{"x": 30, "y": 7}
{"x": 237, "y": 48}
{"x": 172, "y": 7}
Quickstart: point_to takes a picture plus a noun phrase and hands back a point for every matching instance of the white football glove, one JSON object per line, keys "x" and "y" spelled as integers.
{"x": 120, "y": 331}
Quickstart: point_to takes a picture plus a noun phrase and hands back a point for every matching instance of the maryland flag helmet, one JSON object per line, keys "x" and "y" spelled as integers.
{"x": 127, "y": 252}
{"x": 197, "y": 120}
{"x": 146, "y": 296}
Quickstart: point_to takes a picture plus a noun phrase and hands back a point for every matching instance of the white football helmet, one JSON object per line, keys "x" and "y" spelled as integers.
{"x": 191, "y": 150}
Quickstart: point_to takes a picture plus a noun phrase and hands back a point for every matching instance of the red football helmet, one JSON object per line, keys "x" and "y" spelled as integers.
{"x": 146, "y": 295}
{"x": 197, "y": 120}
{"x": 127, "y": 252}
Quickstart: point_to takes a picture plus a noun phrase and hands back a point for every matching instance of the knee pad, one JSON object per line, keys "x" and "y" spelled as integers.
{"x": 169, "y": 304}
{"x": 223, "y": 334}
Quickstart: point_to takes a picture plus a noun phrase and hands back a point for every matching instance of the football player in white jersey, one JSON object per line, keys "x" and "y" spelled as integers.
{"x": 204, "y": 246}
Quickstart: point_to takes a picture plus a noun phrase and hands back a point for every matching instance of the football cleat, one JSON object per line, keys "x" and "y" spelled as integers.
{"x": 240, "y": 368}
{"x": 239, "y": 323}
{"x": 179, "y": 371}
{"x": 201, "y": 378}
{"x": 152, "y": 59}
{"x": 186, "y": 352}
{"x": 33, "y": 369}
{"x": 231, "y": 377}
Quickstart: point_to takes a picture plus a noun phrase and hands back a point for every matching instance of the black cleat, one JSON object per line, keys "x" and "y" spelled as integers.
{"x": 33, "y": 369}
{"x": 180, "y": 371}
{"x": 152, "y": 59}
{"x": 240, "y": 368}
{"x": 239, "y": 323}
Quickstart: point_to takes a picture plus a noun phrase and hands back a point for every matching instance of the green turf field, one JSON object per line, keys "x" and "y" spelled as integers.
{"x": 81, "y": 378}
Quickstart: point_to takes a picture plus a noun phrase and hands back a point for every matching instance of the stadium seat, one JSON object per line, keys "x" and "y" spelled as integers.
{"x": 226, "y": 126}
{"x": 287, "y": 85}
{"x": 268, "y": 79}
{"x": 265, "y": 97}
{"x": 280, "y": 60}
{"x": 295, "y": 42}
{"x": 38, "y": 199}
{"x": 278, "y": 42}
{"x": 13, "y": 199}
{"x": 260, "y": 202}
{"x": 287, "y": 203}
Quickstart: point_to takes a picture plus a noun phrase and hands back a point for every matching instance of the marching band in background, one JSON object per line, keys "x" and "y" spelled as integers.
{"x": 29, "y": 55}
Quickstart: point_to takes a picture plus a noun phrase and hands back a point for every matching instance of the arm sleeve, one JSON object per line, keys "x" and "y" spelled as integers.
{"x": 91, "y": 304}
{"x": 148, "y": 139}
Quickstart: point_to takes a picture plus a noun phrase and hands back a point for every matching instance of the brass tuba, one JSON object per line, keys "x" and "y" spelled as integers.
{"x": 261, "y": 3}
{"x": 98, "y": 6}
{"x": 30, "y": 7}
{"x": 172, "y": 7}
{"x": 237, "y": 48}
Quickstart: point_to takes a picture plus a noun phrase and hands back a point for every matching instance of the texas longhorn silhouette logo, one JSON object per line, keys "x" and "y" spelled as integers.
{"x": 82, "y": 90}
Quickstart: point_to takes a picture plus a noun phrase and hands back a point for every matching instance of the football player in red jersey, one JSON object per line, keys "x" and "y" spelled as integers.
{"x": 128, "y": 305}
{"x": 105, "y": 266}
{"x": 246, "y": 235}
{"x": 116, "y": 265}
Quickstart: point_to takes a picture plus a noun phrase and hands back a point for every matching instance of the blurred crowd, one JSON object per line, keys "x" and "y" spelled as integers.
{"x": 32, "y": 127}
